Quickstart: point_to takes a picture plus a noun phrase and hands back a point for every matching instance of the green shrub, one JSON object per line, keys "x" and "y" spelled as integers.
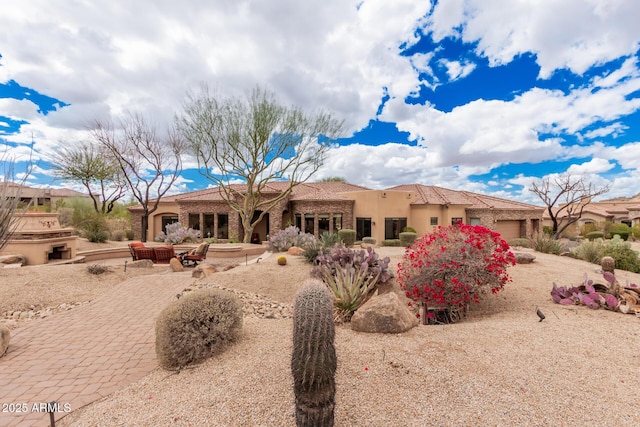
{"x": 197, "y": 326}
{"x": 407, "y": 238}
{"x": 391, "y": 242}
{"x": 409, "y": 230}
{"x": 626, "y": 258}
{"x": 369, "y": 240}
{"x": 595, "y": 235}
{"x": 129, "y": 234}
{"x": 521, "y": 242}
{"x": 590, "y": 251}
{"x": 547, "y": 244}
{"x": 548, "y": 230}
{"x": 588, "y": 228}
{"x": 95, "y": 230}
{"x": 117, "y": 236}
{"x": 635, "y": 231}
{"x": 347, "y": 236}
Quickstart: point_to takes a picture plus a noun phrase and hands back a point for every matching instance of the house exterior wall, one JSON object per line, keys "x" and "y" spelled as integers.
{"x": 530, "y": 220}
{"x": 378, "y": 205}
{"x": 318, "y": 207}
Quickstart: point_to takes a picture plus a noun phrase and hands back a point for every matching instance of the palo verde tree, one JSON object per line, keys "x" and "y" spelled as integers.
{"x": 10, "y": 203}
{"x": 94, "y": 167}
{"x": 255, "y": 140}
{"x": 148, "y": 159}
{"x": 565, "y": 198}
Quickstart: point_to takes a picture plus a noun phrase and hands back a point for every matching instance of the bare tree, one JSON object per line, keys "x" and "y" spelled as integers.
{"x": 256, "y": 141}
{"x": 149, "y": 160}
{"x": 10, "y": 190}
{"x": 565, "y": 198}
{"x": 95, "y": 168}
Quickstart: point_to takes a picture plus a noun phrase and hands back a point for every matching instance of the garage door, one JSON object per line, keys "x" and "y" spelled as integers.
{"x": 508, "y": 229}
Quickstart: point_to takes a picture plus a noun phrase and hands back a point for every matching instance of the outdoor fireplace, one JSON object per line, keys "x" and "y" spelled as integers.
{"x": 40, "y": 239}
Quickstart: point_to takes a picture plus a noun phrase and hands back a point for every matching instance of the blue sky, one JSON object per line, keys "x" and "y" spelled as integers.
{"x": 478, "y": 95}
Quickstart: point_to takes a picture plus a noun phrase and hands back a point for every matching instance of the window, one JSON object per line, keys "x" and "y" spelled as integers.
{"x": 223, "y": 226}
{"x": 475, "y": 221}
{"x": 194, "y": 221}
{"x": 309, "y": 223}
{"x": 456, "y": 220}
{"x": 323, "y": 223}
{"x": 208, "y": 226}
{"x": 393, "y": 227}
{"x": 363, "y": 228}
{"x": 434, "y": 221}
{"x": 168, "y": 219}
{"x": 299, "y": 221}
{"x": 337, "y": 222}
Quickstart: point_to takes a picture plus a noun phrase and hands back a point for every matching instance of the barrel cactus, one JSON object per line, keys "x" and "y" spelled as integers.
{"x": 313, "y": 361}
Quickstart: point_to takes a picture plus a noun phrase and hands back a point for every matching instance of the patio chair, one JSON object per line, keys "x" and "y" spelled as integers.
{"x": 195, "y": 256}
{"x": 132, "y": 249}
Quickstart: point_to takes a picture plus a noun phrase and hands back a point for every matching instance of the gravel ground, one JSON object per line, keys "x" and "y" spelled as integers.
{"x": 499, "y": 367}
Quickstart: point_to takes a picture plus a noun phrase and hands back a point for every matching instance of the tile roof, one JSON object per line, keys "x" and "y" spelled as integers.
{"x": 433, "y": 195}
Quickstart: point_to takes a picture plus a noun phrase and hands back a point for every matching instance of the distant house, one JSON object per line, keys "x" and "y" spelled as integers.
{"x": 624, "y": 210}
{"x": 45, "y": 196}
{"x": 329, "y": 206}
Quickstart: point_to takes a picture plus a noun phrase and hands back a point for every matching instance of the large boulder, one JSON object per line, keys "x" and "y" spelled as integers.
{"x": 176, "y": 265}
{"x": 384, "y": 314}
{"x": 13, "y": 259}
{"x": 5, "y": 337}
{"x": 524, "y": 257}
{"x": 203, "y": 270}
{"x": 295, "y": 251}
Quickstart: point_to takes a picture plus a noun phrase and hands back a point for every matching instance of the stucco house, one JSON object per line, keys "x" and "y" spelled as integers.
{"x": 330, "y": 206}
{"x": 624, "y": 210}
{"x": 35, "y": 197}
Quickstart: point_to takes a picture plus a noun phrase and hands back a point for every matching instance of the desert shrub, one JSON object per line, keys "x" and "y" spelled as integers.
{"x": 590, "y": 251}
{"x": 548, "y": 230}
{"x": 98, "y": 269}
{"x": 351, "y": 275}
{"x": 118, "y": 235}
{"x": 593, "y": 235}
{"x": 197, "y": 326}
{"x": 282, "y": 260}
{"x": 626, "y": 258}
{"x": 391, "y": 242}
{"x": 588, "y": 228}
{"x": 324, "y": 243}
{"x": 95, "y": 230}
{"x": 521, "y": 242}
{"x": 369, "y": 240}
{"x": 177, "y": 233}
{"x": 328, "y": 240}
{"x": 455, "y": 265}
{"x": 407, "y": 238}
{"x": 621, "y": 229}
{"x": 129, "y": 233}
{"x": 635, "y": 231}
{"x": 546, "y": 244}
{"x": 65, "y": 216}
{"x": 409, "y": 230}
{"x": 347, "y": 236}
{"x": 290, "y": 236}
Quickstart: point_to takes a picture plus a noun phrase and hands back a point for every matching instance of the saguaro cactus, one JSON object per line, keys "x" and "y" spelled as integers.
{"x": 313, "y": 362}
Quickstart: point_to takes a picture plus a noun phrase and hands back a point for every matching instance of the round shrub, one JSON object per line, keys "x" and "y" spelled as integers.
{"x": 407, "y": 238}
{"x": 282, "y": 260}
{"x": 347, "y": 236}
{"x": 625, "y": 257}
{"x": 521, "y": 242}
{"x": 454, "y": 265}
{"x": 369, "y": 240}
{"x": 409, "y": 230}
{"x": 593, "y": 235}
{"x": 95, "y": 230}
{"x": 197, "y": 326}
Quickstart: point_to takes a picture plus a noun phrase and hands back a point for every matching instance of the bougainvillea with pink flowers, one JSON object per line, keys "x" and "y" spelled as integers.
{"x": 455, "y": 265}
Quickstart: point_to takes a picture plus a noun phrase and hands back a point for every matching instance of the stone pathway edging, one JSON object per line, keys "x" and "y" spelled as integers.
{"x": 77, "y": 357}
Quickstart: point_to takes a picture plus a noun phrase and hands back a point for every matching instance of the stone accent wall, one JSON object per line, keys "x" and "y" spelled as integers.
{"x": 531, "y": 221}
{"x": 136, "y": 224}
{"x": 305, "y": 207}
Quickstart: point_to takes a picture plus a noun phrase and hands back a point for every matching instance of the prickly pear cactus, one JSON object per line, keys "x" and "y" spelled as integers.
{"x": 313, "y": 361}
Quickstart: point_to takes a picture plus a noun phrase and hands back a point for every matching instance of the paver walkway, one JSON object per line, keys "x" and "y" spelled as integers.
{"x": 82, "y": 355}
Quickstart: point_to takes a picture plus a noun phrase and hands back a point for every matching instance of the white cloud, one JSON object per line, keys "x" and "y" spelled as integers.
{"x": 593, "y": 166}
{"x": 573, "y": 34}
{"x": 457, "y": 69}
